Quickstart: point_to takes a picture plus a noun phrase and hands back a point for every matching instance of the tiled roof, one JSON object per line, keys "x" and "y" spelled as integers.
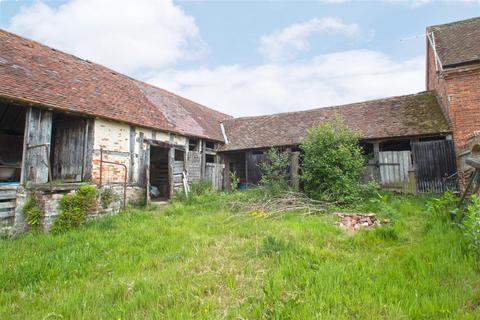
{"x": 410, "y": 115}
{"x": 458, "y": 42}
{"x": 36, "y": 73}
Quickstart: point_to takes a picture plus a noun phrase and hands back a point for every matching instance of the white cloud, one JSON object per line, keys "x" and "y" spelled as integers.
{"x": 131, "y": 36}
{"x": 330, "y": 79}
{"x": 285, "y": 44}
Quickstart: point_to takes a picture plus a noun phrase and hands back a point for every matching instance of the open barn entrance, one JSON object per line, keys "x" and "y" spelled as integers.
{"x": 12, "y": 129}
{"x": 159, "y": 176}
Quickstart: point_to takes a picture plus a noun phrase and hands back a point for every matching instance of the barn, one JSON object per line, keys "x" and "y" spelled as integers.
{"x": 65, "y": 122}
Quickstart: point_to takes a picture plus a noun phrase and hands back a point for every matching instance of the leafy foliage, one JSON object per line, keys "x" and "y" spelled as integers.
{"x": 33, "y": 214}
{"x": 275, "y": 170}
{"x": 234, "y": 180}
{"x": 107, "y": 197}
{"x": 472, "y": 225}
{"x": 444, "y": 207}
{"x": 74, "y": 208}
{"x": 198, "y": 188}
{"x": 333, "y": 162}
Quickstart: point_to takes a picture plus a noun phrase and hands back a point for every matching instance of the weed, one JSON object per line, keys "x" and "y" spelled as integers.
{"x": 33, "y": 214}
{"x": 472, "y": 224}
{"x": 107, "y": 197}
{"x": 75, "y": 207}
{"x": 272, "y": 246}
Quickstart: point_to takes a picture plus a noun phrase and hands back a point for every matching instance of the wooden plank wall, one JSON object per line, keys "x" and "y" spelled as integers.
{"x": 70, "y": 139}
{"x": 435, "y": 166}
{"x": 394, "y": 167}
{"x": 214, "y": 173}
{"x": 194, "y": 162}
{"x": 38, "y": 131}
{"x": 8, "y": 197}
{"x": 178, "y": 175}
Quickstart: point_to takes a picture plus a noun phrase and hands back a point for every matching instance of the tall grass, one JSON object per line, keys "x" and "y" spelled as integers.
{"x": 197, "y": 260}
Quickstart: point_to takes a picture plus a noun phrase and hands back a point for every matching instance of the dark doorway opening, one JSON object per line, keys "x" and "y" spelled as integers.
{"x": 12, "y": 129}
{"x": 159, "y": 176}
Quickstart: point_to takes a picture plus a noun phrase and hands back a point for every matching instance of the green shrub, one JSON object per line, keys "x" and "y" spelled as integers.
{"x": 33, "y": 214}
{"x": 75, "y": 207}
{"x": 333, "y": 162}
{"x": 275, "y": 170}
{"x": 471, "y": 224}
{"x": 107, "y": 197}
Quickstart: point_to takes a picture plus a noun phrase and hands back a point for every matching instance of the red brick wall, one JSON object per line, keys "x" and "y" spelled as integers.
{"x": 459, "y": 92}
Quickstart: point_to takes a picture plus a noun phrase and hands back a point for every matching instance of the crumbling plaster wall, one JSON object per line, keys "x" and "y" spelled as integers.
{"x": 116, "y": 140}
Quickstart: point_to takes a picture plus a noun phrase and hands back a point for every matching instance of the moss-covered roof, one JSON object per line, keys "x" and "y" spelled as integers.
{"x": 410, "y": 115}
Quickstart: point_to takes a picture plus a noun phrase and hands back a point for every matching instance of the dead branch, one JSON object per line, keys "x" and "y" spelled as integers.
{"x": 287, "y": 201}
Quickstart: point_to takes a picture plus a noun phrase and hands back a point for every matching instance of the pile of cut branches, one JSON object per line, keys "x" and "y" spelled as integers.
{"x": 274, "y": 204}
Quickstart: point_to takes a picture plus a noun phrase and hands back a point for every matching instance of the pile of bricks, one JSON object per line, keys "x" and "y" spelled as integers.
{"x": 355, "y": 221}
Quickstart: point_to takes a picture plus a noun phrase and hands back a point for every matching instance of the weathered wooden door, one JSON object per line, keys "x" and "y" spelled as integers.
{"x": 394, "y": 167}
{"x": 38, "y": 133}
{"x": 69, "y": 149}
{"x": 194, "y": 166}
{"x": 214, "y": 172}
{"x": 435, "y": 166}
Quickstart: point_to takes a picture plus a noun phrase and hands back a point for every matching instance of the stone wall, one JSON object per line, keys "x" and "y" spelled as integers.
{"x": 49, "y": 204}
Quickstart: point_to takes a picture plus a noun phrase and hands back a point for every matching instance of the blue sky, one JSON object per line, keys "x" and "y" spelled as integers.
{"x": 248, "y": 57}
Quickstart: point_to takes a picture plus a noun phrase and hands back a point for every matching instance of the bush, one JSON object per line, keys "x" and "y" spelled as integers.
{"x": 275, "y": 170}
{"x": 333, "y": 162}
{"x": 33, "y": 214}
{"x": 74, "y": 208}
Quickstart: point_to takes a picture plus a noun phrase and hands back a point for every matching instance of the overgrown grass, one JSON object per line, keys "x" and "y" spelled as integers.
{"x": 198, "y": 260}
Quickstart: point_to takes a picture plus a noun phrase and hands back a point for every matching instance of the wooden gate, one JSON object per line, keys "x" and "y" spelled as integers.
{"x": 394, "y": 166}
{"x": 394, "y": 169}
{"x": 435, "y": 166}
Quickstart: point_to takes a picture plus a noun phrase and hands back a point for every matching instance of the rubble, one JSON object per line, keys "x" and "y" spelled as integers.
{"x": 356, "y": 221}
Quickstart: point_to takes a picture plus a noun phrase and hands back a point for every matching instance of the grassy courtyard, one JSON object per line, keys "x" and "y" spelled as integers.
{"x": 201, "y": 260}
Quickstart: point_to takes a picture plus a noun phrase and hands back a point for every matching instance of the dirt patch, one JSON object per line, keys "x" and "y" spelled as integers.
{"x": 357, "y": 221}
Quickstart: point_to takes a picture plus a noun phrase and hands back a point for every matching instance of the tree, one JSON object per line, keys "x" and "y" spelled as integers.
{"x": 333, "y": 162}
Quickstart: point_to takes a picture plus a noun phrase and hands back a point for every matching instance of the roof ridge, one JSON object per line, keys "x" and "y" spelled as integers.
{"x": 334, "y": 107}
{"x": 115, "y": 72}
{"x": 448, "y": 24}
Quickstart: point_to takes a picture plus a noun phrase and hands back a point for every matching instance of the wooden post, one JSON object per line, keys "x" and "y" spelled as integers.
{"x": 171, "y": 163}
{"x": 141, "y": 160}
{"x": 376, "y": 157}
{"x": 147, "y": 173}
{"x": 202, "y": 146}
{"x": 131, "y": 167}
{"x": 294, "y": 166}
{"x": 247, "y": 155}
